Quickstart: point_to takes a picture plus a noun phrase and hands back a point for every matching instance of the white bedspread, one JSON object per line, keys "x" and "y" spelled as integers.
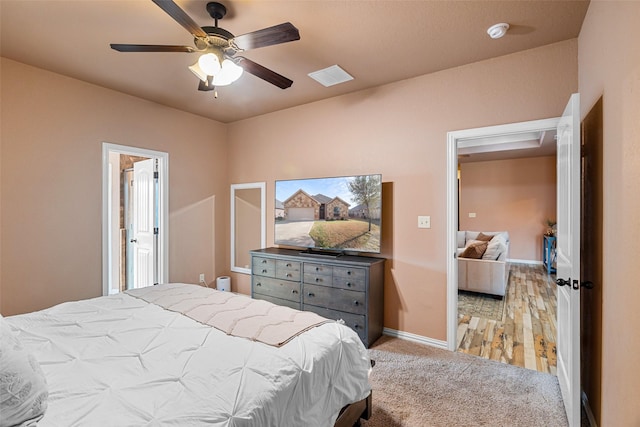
{"x": 120, "y": 361}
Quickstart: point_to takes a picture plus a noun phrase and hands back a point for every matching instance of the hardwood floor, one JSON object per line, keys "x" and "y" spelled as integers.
{"x": 526, "y": 335}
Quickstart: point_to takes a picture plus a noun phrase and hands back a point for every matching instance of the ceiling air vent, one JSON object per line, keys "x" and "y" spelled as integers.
{"x": 331, "y": 76}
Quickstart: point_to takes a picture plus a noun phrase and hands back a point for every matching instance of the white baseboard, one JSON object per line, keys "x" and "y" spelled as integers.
{"x": 415, "y": 338}
{"x": 525, "y": 261}
{"x": 587, "y": 409}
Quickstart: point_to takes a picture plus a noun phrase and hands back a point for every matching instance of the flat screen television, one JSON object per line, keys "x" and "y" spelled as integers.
{"x": 329, "y": 215}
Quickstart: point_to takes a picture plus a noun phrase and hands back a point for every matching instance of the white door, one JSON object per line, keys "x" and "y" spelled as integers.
{"x": 143, "y": 223}
{"x": 568, "y": 259}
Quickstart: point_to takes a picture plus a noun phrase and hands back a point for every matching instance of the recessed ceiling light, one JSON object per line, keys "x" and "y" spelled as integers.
{"x": 498, "y": 30}
{"x": 331, "y": 76}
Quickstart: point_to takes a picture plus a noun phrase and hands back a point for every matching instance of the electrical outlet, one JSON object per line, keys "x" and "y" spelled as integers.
{"x": 424, "y": 221}
{"x": 202, "y": 278}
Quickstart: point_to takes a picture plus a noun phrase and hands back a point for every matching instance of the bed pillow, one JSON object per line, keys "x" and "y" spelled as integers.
{"x": 23, "y": 387}
{"x": 475, "y": 249}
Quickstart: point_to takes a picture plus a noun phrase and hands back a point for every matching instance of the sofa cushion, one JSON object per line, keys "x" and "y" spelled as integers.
{"x": 495, "y": 248}
{"x": 484, "y": 237}
{"x": 475, "y": 249}
{"x": 473, "y": 235}
{"x": 462, "y": 238}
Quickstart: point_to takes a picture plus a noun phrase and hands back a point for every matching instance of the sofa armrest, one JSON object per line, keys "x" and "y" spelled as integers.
{"x": 484, "y": 276}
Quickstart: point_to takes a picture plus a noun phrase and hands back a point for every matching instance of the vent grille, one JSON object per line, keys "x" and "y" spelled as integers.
{"x": 331, "y": 76}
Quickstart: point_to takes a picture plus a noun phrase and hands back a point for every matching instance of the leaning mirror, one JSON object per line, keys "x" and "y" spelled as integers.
{"x": 248, "y": 229}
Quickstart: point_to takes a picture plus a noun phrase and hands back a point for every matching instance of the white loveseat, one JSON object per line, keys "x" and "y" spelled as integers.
{"x": 490, "y": 273}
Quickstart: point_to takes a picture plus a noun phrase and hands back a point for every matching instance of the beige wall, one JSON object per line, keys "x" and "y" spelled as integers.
{"x": 248, "y": 224}
{"x": 52, "y": 133}
{"x": 400, "y": 130}
{"x": 516, "y": 195}
{"x": 609, "y": 64}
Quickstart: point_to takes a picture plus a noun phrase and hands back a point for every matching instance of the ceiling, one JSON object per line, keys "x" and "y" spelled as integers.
{"x": 511, "y": 145}
{"x": 377, "y": 42}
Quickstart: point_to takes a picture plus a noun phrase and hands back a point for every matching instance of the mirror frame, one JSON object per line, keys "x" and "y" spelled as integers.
{"x": 263, "y": 229}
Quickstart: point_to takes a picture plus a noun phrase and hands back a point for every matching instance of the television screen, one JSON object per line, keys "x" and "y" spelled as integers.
{"x": 331, "y": 214}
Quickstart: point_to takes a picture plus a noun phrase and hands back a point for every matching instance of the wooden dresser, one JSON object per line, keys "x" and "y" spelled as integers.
{"x": 347, "y": 287}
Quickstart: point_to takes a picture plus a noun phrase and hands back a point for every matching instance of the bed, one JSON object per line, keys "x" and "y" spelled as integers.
{"x": 146, "y": 358}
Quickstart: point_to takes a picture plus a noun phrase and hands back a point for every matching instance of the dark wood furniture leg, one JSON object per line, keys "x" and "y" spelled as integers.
{"x": 352, "y": 414}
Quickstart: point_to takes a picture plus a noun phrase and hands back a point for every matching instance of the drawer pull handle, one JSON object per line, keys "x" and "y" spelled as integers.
{"x": 288, "y": 274}
{"x": 293, "y": 291}
{"x": 318, "y": 279}
{"x": 311, "y": 294}
{"x": 356, "y": 326}
{"x": 356, "y": 302}
{"x": 348, "y": 284}
{"x": 288, "y": 264}
{"x": 264, "y": 261}
{"x": 264, "y": 270}
{"x": 317, "y": 268}
{"x": 349, "y": 273}
{"x": 258, "y": 284}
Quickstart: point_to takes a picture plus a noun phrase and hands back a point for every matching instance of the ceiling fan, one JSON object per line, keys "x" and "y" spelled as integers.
{"x": 218, "y": 65}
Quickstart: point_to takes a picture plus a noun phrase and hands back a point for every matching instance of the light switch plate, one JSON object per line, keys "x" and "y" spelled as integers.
{"x": 472, "y": 214}
{"x": 424, "y": 221}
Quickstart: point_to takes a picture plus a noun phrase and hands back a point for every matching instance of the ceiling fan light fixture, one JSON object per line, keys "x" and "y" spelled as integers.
{"x": 195, "y": 69}
{"x": 209, "y": 63}
{"x": 498, "y": 30}
{"x": 229, "y": 73}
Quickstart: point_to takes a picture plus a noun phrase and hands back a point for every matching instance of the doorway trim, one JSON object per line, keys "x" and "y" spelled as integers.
{"x": 453, "y": 139}
{"x": 162, "y": 204}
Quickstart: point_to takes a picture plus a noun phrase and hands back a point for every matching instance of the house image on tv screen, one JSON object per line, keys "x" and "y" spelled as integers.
{"x": 340, "y": 213}
{"x": 303, "y": 207}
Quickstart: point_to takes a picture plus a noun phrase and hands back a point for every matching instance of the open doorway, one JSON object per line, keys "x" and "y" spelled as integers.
{"x": 477, "y": 141}
{"x": 134, "y": 218}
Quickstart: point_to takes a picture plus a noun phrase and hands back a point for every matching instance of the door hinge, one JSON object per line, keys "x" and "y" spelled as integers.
{"x": 155, "y": 175}
{"x": 156, "y": 230}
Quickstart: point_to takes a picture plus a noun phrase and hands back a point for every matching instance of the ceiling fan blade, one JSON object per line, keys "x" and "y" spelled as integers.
{"x": 180, "y": 16}
{"x": 150, "y": 48}
{"x": 267, "y": 36}
{"x": 264, "y": 73}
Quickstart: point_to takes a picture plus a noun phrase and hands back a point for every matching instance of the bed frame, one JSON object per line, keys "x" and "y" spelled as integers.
{"x": 351, "y": 415}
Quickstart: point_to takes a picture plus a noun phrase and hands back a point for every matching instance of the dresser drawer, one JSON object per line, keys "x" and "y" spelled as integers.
{"x": 264, "y": 266}
{"x": 288, "y": 270}
{"x": 278, "y": 301}
{"x": 318, "y": 279}
{"x": 350, "y": 278}
{"x": 354, "y": 321}
{"x": 276, "y": 288}
{"x": 318, "y": 269}
{"x": 334, "y": 298}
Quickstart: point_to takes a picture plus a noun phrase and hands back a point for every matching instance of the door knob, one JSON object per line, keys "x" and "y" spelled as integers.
{"x": 134, "y": 240}
{"x": 562, "y": 282}
{"x": 587, "y": 284}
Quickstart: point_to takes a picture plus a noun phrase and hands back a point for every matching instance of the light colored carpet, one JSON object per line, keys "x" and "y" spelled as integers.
{"x": 419, "y": 385}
